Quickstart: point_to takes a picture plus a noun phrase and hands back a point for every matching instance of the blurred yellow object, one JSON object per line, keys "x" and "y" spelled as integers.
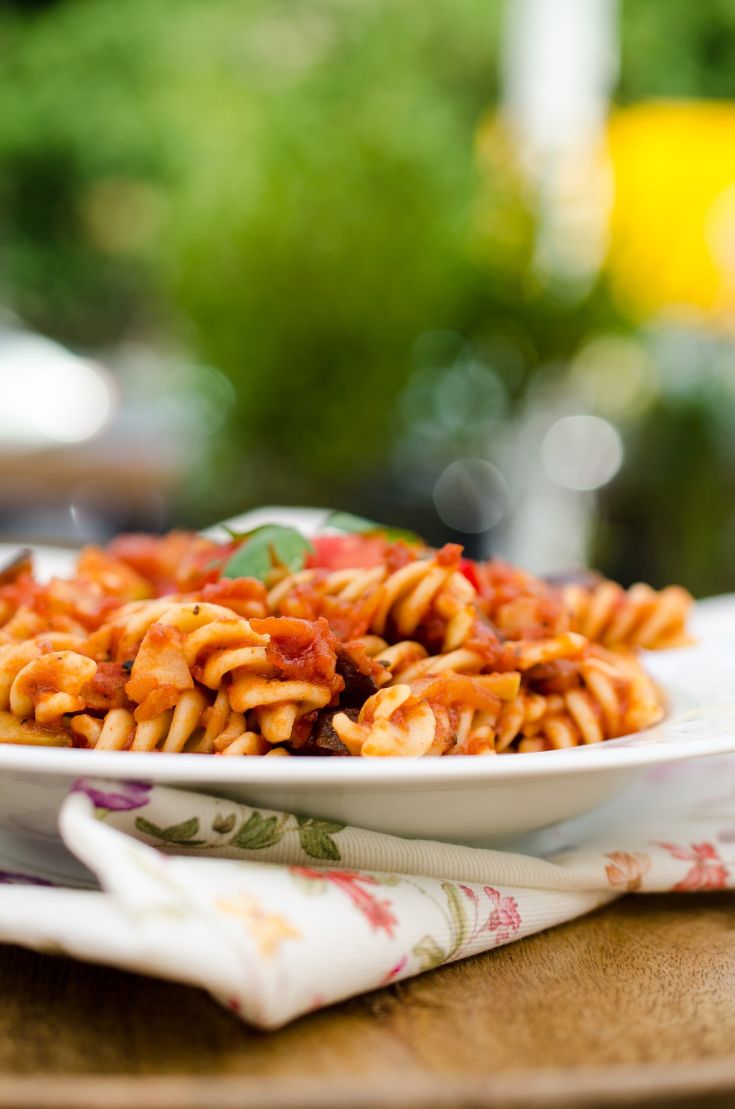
{"x": 672, "y": 244}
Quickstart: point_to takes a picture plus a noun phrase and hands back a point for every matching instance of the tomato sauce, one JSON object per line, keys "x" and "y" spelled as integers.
{"x": 245, "y": 596}
{"x": 175, "y": 563}
{"x": 106, "y": 690}
{"x": 450, "y": 555}
{"x": 301, "y": 650}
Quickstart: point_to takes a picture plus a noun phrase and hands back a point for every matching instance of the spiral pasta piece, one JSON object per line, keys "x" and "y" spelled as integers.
{"x": 218, "y": 648}
{"x": 427, "y": 588}
{"x": 277, "y": 704}
{"x": 408, "y": 660}
{"x": 609, "y": 695}
{"x": 519, "y": 605}
{"x": 636, "y": 617}
{"x": 418, "y": 590}
{"x": 50, "y": 685}
{"x": 30, "y": 733}
{"x": 14, "y": 656}
{"x": 195, "y": 725}
{"x": 392, "y": 722}
{"x": 397, "y": 660}
{"x": 429, "y": 716}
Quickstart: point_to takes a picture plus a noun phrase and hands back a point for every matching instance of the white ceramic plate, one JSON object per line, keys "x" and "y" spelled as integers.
{"x": 471, "y": 799}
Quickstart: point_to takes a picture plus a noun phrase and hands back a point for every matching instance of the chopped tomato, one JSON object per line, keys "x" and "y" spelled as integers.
{"x": 177, "y": 562}
{"x": 345, "y": 552}
{"x": 449, "y": 555}
{"x": 469, "y": 568}
{"x": 245, "y": 596}
{"x": 301, "y": 650}
{"x": 347, "y": 619}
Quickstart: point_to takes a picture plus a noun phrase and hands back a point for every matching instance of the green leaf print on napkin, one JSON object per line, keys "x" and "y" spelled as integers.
{"x": 458, "y": 916}
{"x": 427, "y": 950}
{"x": 315, "y": 837}
{"x": 223, "y": 824}
{"x": 429, "y": 953}
{"x": 179, "y": 834}
{"x": 258, "y": 832}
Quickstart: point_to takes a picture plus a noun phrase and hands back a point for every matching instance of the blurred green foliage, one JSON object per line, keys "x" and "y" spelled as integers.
{"x": 286, "y": 188}
{"x": 670, "y": 514}
{"x": 289, "y": 191}
{"x": 676, "y": 48}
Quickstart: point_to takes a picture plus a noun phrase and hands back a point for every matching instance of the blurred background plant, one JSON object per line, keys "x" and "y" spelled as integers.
{"x": 465, "y": 266}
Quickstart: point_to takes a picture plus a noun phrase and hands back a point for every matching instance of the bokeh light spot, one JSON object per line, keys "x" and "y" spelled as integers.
{"x": 582, "y": 452}
{"x": 614, "y": 374}
{"x": 48, "y": 394}
{"x": 471, "y": 495}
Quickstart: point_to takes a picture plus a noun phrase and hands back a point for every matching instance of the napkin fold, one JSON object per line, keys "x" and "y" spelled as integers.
{"x": 277, "y": 914}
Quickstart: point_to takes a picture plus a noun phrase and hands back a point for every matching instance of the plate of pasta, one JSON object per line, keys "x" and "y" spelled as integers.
{"x": 321, "y": 663}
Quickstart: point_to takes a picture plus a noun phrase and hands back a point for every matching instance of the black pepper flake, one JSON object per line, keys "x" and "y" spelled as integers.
{"x": 128, "y": 665}
{"x": 196, "y": 610}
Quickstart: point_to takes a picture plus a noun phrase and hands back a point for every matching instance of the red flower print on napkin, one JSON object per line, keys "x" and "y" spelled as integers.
{"x": 708, "y": 872}
{"x": 394, "y": 971}
{"x": 505, "y": 919}
{"x": 377, "y": 913}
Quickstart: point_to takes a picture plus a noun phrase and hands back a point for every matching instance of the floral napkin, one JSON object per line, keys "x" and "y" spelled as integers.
{"x": 277, "y": 915}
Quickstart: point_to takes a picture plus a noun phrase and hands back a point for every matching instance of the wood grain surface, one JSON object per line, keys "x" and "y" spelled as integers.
{"x": 632, "y": 1005}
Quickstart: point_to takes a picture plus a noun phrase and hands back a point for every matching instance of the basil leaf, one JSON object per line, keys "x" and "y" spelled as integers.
{"x": 266, "y": 547}
{"x": 359, "y": 525}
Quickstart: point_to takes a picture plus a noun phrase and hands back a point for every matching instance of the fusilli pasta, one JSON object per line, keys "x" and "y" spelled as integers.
{"x": 155, "y": 645}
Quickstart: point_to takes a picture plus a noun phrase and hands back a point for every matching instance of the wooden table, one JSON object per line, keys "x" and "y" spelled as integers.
{"x": 633, "y": 1005}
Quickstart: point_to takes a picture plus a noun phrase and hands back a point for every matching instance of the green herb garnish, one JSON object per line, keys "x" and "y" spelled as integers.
{"x": 359, "y": 525}
{"x": 266, "y": 548}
